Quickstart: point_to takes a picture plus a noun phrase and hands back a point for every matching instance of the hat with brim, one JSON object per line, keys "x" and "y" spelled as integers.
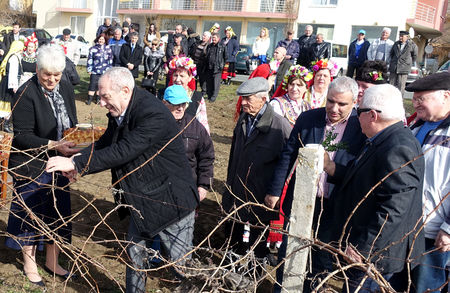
{"x": 176, "y": 94}
{"x": 253, "y": 86}
{"x": 433, "y": 82}
{"x": 404, "y": 33}
{"x": 362, "y": 32}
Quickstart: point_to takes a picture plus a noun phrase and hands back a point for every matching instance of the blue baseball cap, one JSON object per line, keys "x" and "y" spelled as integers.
{"x": 362, "y": 32}
{"x": 176, "y": 94}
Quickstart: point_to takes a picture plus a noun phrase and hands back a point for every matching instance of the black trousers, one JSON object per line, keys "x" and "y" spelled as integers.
{"x": 213, "y": 84}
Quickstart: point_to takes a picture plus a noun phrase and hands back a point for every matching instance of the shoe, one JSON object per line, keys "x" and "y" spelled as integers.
{"x": 97, "y": 99}
{"x": 212, "y": 99}
{"x": 66, "y": 276}
{"x": 7, "y": 126}
{"x": 89, "y": 100}
{"x": 39, "y": 283}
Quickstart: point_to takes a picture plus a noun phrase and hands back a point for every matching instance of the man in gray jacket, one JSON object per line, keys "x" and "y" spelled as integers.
{"x": 380, "y": 49}
{"x": 403, "y": 55}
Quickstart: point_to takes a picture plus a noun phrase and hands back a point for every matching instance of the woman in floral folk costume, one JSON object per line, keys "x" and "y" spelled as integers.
{"x": 324, "y": 70}
{"x": 184, "y": 72}
{"x": 288, "y": 98}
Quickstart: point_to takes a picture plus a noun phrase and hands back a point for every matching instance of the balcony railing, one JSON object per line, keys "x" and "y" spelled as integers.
{"x": 425, "y": 12}
{"x": 77, "y": 4}
{"x": 136, "y": 4}
{"x": 270, "y": 6}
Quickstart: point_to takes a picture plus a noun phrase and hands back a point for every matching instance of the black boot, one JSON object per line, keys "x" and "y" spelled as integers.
{"x": 89, "y": 99}
{"x": 97, "y": 99}
{"x": 7, "y": 126}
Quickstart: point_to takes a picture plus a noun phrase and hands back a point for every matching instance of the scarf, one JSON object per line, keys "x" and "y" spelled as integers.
{"x": 59, "y": 110}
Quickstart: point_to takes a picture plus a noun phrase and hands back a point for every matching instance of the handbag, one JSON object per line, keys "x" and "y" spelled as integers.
{"x": 148, "y": 83}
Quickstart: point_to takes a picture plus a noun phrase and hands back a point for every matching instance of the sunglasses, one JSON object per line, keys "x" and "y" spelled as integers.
{"x": 362, "y": 110}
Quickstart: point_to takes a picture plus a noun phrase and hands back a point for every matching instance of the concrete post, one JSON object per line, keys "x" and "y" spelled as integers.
{"x": 307, "y": 175}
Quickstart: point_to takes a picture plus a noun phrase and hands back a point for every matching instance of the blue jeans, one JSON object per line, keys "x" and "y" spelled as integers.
{"x": 176, "y": 241}
{"x": 369, "y": 286}
{"x": 431, "y": 273}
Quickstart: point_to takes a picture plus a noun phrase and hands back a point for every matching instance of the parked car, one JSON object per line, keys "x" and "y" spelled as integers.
{"x": 339, "y": 55}
{"x": 243, "y": 58}
{"x": 414, "y": 74}
{"x": 41, "y": 34}
{"x": 444, "y": 67}
{"x": 82, "y": 43}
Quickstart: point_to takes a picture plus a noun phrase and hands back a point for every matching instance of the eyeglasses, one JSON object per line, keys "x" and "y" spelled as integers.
{"x": 362, "y": 110}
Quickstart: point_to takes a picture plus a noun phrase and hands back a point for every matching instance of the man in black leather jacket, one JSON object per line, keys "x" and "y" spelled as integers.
{"x": 319, "y": 50}
{"x": 215, "y": 56}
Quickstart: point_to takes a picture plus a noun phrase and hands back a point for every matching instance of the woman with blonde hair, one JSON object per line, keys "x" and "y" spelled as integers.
{"x": 261, "y": 45}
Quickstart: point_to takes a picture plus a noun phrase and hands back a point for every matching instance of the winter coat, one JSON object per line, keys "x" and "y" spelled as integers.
{"x": 291, "y": 48}
{"x": 156, "y": 179}
{"x": 115, "y": 46}
{"x": 135, "y": 57}
{"x": 319, "y": 51}
{"x": 216, "y": 56}
{"x": 252, "y": 162}
{"x": 402, "y": 60}
{"x": 372, "y": 51}
{"x": 100, "y": 58}
{"x": 199, "y": 150}
{"x": 153, "y": 62}
{"x": 362, "y": 56}
{"x": 304, "y": 44}
{"x": 232, "y": 48}
{"x": 34, "y": 125}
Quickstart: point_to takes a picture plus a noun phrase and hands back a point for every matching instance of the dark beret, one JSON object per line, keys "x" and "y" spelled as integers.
{"x": 433, "y": 82}
{"x": 404, "y": 33}
{"x": 66, "y": 31}
{"x": 253, "y": 86}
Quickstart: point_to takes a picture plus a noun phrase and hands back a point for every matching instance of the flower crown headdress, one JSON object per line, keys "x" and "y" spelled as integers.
{"x": 325, "y": 64}
{"x": 185, "y": 62}
{"x": 31, "y": 39}
{"x": 299, "y": 72}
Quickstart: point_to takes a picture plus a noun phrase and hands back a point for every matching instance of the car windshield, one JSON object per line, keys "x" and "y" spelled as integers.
{"x": 445, "y": 66}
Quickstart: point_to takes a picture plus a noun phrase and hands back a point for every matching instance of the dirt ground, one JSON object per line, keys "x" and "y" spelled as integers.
{"x": 101, "y": 245}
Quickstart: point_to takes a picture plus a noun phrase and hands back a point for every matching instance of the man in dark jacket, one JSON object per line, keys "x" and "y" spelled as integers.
{"x": 116, "y": 45}
{"x": 312, "y": 127}
{"x": 279, "y": 56}
{"x": 177, "y": 41}
{"x": 11, "y": 36}
{"x": 150, "y": 173}
{"x": 131, "y": 55}
{"x": 258, "y": 139}
{"x": 403, "y": 56}
{"x": 304, "y": 43}
{"x": 319, "y": 50}
{"x": 216, "y": 55}
{"x": 357, "y": 53}
{"x": 290, "y": 45}
{"x": 197, "y": 142}
{"x": 106, "y": 25}
{"x": 377, "y": 211}
{"x": 198, "y": 54}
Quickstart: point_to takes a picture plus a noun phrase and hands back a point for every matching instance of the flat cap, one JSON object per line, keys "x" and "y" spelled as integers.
{"x": 433, "y": 82}
{"x": 404, "y": 33}
{"x": 66, "y": 31}
{"x": 253, "y": 86}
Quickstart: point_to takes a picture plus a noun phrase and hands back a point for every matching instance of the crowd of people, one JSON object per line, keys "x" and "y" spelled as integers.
{"x": 383, "y": 188}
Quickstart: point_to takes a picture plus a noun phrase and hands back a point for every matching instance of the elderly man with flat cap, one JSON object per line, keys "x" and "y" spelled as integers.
{"x": 431, "y": 100}
{"x": 258, "y": 139}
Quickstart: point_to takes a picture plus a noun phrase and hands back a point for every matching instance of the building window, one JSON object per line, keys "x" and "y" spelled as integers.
{"x": 324, "y": 2}
{"x": 106, "y": 9}
{"x": 327, "y": 30}
{"x": 79, "y": 4}
{"x": 77, "y": 25}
